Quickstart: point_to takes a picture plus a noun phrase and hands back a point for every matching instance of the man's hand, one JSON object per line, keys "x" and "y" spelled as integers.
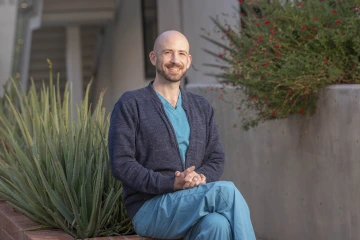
{"x": 188, "y": 179}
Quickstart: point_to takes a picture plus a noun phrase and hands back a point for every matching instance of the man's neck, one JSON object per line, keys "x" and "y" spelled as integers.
{"x": 169, "y": 90}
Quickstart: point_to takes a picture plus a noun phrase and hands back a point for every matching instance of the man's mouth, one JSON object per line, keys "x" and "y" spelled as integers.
{"x": 173, "y": 68}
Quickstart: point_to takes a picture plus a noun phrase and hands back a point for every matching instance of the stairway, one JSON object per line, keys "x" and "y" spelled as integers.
{"x": 50, "y": 43}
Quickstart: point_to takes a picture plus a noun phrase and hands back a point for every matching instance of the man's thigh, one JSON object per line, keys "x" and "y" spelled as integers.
{"x": 171, "y": 215}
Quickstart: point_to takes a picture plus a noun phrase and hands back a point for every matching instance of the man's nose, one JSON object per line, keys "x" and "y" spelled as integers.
{"x": 174, "y": 58}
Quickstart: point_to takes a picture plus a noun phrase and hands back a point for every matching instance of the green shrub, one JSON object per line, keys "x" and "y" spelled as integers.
{"x": 55, "y": 167}
{"x": 284, "y": 52}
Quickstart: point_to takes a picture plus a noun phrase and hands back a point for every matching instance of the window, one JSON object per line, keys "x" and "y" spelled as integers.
{"x": 150, "y": 32}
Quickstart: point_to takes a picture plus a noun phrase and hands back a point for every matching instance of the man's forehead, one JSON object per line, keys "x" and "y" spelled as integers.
{"x": 172, "y": 40}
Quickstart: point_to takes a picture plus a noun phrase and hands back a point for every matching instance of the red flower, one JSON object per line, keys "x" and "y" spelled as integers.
{"x": 356, "y": 7}
{"x": 250, "y": 99}
{"x": 309, "y": 38}
{"x": 338, "y": 22}
{"x": 266, "y": 99}
{"x": 352, "y": 67}
{"x": 334, "y": 11}
{"x": 277, "y": 46}
{"x": 272, "y": 31}
{"x": 273, "y": 112}
{"x": 299, "y": 4}
{"x": 325, "y": 60}
{"x": 266, "y": 63}
{"x": 315, "y": 19}
{"x": 303, "y": 27}
{"x": 290, "y": 92}
{"x": 255, "y": 96}
{"x": 314, "y": 30}
{"x": 267, "y": 22}
{"x": 240, "y": 1}
{"x": 341, "y": 32}
{"x": 221, "y": 55}
{"x": 239, "y": 62}
{"x": 301, "y": 111}
{"x": 278, "y": 54}
{"x": 256, "y": 24}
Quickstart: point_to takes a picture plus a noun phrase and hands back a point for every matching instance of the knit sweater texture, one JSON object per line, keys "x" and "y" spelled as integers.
{"x": 144, "y": 153}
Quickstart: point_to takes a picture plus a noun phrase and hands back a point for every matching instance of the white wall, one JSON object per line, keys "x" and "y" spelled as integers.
{"x": 169, "y": 15}
{"x": 8, "y": 15}
{"x": 196, "y": 15}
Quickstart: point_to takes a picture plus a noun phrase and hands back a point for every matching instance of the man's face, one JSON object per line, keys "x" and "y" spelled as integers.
{"x": 171, "y": 58}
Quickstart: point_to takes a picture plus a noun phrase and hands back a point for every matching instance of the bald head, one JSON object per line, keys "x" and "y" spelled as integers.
{"x": 171, "y": 38}
{"x": 170, "y": 57}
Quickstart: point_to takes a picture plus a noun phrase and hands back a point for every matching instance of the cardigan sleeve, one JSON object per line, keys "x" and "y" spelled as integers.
{"x": 213, "y": 163}
{"x": 122, "y": 153}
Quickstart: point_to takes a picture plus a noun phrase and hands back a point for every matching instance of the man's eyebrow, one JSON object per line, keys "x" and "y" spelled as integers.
{"x": 183, "y": 51}
{"x": 170, "y": 50}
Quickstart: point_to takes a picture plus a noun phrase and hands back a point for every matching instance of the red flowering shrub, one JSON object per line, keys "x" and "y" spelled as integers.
{"x": 284, "y": 53}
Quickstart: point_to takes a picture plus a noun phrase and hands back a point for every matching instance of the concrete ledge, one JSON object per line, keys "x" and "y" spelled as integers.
{"x": 300, "y": 176}
{"x": 13, "y": 225}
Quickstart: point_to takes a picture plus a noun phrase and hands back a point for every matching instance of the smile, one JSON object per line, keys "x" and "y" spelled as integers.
{"x": 172, "y": 69}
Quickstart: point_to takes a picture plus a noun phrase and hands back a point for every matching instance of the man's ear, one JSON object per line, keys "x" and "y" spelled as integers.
{"x": 189, "y": 61}
{"x": 152, "y": 56}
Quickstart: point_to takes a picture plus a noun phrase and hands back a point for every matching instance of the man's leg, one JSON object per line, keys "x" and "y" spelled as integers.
{"x": 211, "y": 226}
{"x": 173, "y": 215}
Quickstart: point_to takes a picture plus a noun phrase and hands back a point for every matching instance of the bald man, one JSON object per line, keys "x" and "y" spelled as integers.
{"x": 164, "y": 147}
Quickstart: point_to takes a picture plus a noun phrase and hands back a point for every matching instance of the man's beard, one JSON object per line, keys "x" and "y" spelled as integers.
{"x": 168, "y": 77}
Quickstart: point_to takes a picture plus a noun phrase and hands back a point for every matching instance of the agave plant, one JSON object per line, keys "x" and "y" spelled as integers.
{"x": 54, "y": 167}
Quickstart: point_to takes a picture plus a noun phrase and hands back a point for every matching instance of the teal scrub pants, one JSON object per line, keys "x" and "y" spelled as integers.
{"x": 210, "y": 211}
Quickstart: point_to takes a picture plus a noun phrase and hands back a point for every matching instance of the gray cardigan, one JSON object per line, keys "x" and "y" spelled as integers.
{"x": 144, "y": 153}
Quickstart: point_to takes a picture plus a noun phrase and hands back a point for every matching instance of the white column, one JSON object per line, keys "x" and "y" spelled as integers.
{"x": 8, "y": 13}
{"x": 74, "y": 64}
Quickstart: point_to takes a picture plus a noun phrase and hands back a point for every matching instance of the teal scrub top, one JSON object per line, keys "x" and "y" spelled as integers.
{"x": 180, "y": 123}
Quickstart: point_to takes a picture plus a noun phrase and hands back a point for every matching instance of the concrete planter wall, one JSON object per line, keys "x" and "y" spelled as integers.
{"x": 300, "y": 176}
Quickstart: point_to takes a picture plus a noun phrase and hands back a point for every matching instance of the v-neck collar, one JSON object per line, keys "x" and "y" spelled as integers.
{"x": 167, "y": 103}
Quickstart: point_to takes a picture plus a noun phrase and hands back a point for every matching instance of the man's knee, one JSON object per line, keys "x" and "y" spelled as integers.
{"x": 211, "y": 226}
{"x": 225, "y": 186}
{"x": 216, "y": 221}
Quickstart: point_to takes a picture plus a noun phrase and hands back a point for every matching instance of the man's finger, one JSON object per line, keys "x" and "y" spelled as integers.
{"x": 189, "y": 177}
{"x": 189, "y": 170}
{"x": 177, "y": 174}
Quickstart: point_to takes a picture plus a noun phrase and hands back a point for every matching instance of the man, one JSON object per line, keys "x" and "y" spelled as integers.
{"x": 164, "y": 147}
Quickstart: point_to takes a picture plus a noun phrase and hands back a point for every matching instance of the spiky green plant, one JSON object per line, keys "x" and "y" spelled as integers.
{"x": 55, "y": 168}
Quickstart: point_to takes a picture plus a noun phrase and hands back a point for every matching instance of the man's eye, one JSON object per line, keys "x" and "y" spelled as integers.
{"x": 166, "y": 52}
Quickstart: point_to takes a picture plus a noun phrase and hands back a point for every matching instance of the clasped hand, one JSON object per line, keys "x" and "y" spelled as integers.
{"x": 188, "y": 179}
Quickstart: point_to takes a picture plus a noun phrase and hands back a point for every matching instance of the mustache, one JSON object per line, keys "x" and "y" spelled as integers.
{"x": 174, "y": 65}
